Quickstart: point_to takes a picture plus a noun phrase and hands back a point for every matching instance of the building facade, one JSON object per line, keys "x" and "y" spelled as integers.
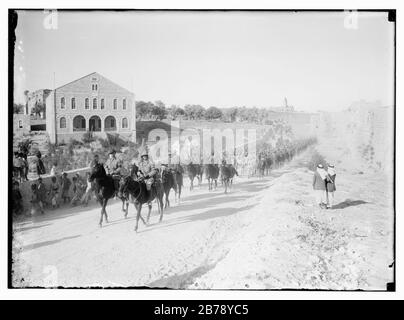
{"x": 90, "y": 104}
{"x": 36, "y": 98}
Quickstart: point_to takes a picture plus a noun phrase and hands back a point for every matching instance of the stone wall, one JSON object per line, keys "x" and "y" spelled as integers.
{"x": 21, "y": 123}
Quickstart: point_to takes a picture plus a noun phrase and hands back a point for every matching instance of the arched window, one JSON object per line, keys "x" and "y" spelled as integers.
{"x": 62, "y": 102}
{"x": 73, "y": 102}
{"x": 62, "y": 123}
{"x": 87, "y": 103}
{"x": 115, "y": 104}
{"x": 20, "y": 124}
{"x": 79, "y": 123}
{"x": 110, "y": 124}
{"x": 102, "y": 103}
{"x": 95, "y": 103}
{"x": 124, "y": 123}
{"x": 124, "y": 104}
{"x": 94, "y": 124}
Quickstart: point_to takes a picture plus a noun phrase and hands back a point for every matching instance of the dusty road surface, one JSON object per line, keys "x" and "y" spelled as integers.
{"x": 265, "y": 234}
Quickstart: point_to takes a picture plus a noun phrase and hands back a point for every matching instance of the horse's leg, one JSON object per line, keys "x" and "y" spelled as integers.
{"x": 105, "y": 211}
{"x": 149, "y": 204}
{"x": 126, "y": 210}
{"x": 101, "y": 216}
{"x": 179, "y": 193}
{"x": 160, "y": 204}
{"x": 167, "y": 202}
{"x": 139, "y": 209}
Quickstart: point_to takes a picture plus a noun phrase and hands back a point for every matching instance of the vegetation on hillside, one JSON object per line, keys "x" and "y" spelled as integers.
{"x": 159, "y": 111}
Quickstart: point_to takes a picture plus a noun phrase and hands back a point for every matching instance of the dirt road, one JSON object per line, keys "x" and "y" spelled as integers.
{"x": 265, "y": 234}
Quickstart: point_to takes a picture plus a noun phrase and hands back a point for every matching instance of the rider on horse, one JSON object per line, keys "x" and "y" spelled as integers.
{"x": 147, "y": 170}
{"x": 113, "y": 168}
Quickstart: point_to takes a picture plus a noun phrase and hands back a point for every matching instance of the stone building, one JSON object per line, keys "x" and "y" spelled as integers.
{"x": 35, "y": 98}
{"x": 90, "y": 104}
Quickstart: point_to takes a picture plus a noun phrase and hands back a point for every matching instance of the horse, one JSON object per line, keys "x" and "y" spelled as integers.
{"x": 225, "y": 174}
{"x": 268, "y": 164}
{"x": 233, "y": 172}
{"x": 168, "y": 181}
{"x": 104, "y": 188}
{"x": 261, "y": 167}
{"x": 199, "y": 173}
{"x": 192, "y": 171}
{"x": 178, "y": 179}
{"x": 137, "y": 190}
{"x": 212, "y": 173}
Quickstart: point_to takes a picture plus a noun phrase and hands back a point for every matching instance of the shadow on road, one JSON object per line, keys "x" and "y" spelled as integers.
{"x": 348, "y": 203}
{"x": 47, "y": 243}
{"x": 208, "y": 214}
{"x": 181, "y": 281}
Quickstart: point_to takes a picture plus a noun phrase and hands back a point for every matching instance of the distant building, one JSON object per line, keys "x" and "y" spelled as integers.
{"x": 284, "y": 108}
{"x": 91, "y": 103}
{"x": 21, "y": 123}
{"x": 35, "y": 98}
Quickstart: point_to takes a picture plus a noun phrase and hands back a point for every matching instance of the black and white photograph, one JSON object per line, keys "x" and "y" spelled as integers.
{"x": 202, "y": 149}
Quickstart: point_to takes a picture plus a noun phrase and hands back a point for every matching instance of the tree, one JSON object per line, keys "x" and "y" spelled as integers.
{"x": 142, "y": 109}
{"x": 159, "y": 110}
{"x": 229, "y": 114}
{"x": 38, "y": 109}
{"x": 213, "y": 113}
{"x": 175, "y": 112}
{"x": 194, "y": 112}
{"x": 18, "y": 108}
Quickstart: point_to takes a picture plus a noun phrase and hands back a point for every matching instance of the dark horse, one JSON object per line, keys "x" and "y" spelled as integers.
{"x": 104, "y": 188}
{"x": 225, "y": 173}
{"x": 194, "y": 170}
{"x": 136, "y": 189}
{"x": 233, "y": 172}
{"x": 172, "y": 179}
{"x": 212, "y": 173}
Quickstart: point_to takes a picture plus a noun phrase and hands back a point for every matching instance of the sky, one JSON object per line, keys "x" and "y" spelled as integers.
{"x": 318, "y": 60}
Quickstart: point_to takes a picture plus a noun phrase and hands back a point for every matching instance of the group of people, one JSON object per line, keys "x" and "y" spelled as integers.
{"x": 324, "y": 185}
{"x": 61, "y": 190}
{"x": 21, "y": 167}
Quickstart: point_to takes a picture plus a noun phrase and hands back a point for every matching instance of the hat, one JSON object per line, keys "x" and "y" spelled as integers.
{"x": 143, "y": 152}
{"x": 112, "y": 151}
{"x": 64, "y": 174}
{"x": 330, "y": 165}
{"x": 320, "y": 165}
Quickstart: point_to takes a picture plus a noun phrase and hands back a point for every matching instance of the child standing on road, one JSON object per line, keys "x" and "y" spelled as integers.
{"x": 35, "y": 200}
{"x": 330, "y": 185}
{"x": 65, "y": 184}
{"x": 54, "y": 193}
{"x": 77, "y": 190}
{"x": 319, "y": 178}
{"x": 17, "y": 199}
{"x": 42, "y": 192}
{"x": 87, "y": 195}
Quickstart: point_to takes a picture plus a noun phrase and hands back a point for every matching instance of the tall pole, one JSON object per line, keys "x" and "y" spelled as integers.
{"x": 54, "y": 107}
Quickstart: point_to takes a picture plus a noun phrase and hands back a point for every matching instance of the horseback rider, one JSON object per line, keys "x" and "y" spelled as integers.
{"x": 147, "y": 170}
{"x": 113, "y": 167}
{"x": 95, "y": 161}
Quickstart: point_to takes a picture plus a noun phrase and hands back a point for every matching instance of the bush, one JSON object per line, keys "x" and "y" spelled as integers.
{"x": 104, "y": 143}
{"x": 87, "y": 137}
